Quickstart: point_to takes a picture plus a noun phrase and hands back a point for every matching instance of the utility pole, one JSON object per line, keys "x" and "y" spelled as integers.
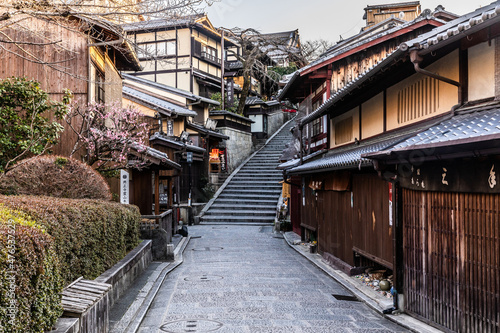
{"x": 222, "y": 65}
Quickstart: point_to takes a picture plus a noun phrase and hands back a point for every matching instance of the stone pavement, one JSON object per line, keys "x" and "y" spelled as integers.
{"x": 247, "y": 279}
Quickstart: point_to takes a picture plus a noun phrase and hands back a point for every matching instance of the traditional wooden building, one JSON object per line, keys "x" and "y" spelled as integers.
{"x": 179, "y": 131}
{"x": 313, "y": 85}
{"x": 85, "y": 56}
{"x": 76, "y": 53}
{"x": 187, "y": 53}
{"x": 425, "y": 119}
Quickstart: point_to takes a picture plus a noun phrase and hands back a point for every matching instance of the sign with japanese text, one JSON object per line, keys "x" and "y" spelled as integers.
{"x": 390, "y": 204}
{"x": 230, "y": 93}
{"x": 451, "y": 176}
{"x": 124, "y": 187}
{"x": 170, "y": 128}
{"x": 222, "y": 158}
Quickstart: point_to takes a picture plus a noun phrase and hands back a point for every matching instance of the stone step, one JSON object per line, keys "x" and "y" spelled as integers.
{"x": 259, "y": 173}
{"x": 243, "y": 207}
{"x": 252, "y": 187}
{"x": 256, "y": 168}
{"x": 254, "y": 202}
{"x": 215, "y": 218}
{"x": 240, "y": 212}
{"x": 262, "y": 184}
{"x": 256, "y": 179}
{"x": 249, "y": 196}
{"x": 258, "y": 192}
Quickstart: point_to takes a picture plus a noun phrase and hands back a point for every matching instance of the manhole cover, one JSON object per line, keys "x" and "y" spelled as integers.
{"x": 208, "y": 249}
{"x": 203, "y": 278}
{"x": 195, "y": 325}
{"x": 346, "y": 298}
{"x": 219, "y": 227}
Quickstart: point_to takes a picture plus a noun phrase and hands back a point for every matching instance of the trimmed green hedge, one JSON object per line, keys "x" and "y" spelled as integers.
{"x": 90, "y": 236}
{"x": 55, "y": 176}
{"x": 30, "y": 280}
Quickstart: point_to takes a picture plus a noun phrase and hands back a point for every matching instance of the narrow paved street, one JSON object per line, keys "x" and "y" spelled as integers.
{"x": 247, "y": 279}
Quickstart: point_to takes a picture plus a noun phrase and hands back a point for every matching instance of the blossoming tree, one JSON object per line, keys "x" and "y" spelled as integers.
{"x": 109, "y": 135}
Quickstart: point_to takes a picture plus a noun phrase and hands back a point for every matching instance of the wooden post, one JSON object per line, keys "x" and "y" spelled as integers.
{"x": 157, "y": 192}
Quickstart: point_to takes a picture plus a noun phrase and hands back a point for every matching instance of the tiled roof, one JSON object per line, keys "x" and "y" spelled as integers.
{"x": 154, "y": 102}
{"x": 169, "y": 89}
{"x": 232, "y": 114}
{"x": 161, "y": 23}
{"x": 463, "y": 128}
{"x": 235, "y": 64}
{"x": 362, "y": 38}
{"x": 178, "y": 144}
{"x": 456, "y": 29}
{"x": 155, "y": 154}
{"x": 438, "y": 37}
{"x": 254, "y": 100}
{"x": 394, "y": 5}
{"x": 295, "y": 162}
{"x": 203, "y": 130}
{"x": 350, "y": 156}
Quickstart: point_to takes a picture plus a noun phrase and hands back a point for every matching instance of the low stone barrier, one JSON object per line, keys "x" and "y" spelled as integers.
{"x": 81, "y": 299}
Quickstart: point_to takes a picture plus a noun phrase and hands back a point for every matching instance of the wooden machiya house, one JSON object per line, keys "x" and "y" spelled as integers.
{"x": 429, "y": 209}
{"x": 174, "y": 130}
{"x": 86, "y": 56}
{"x": 187, "y": 53}
{"x": 314, "y": 84}
{"x": 77, "y": 53}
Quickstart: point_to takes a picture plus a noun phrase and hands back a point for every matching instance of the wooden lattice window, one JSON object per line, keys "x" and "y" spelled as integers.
{"x": 418, "y": 100}
{"x": 343, "y": 131}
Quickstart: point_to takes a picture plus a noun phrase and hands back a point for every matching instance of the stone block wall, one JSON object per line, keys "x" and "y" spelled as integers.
{"x": 275, "y": 120}
{"x": 239, "y": 146}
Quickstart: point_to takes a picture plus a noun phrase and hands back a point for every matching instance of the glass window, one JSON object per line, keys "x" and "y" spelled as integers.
{"x": 171, "y": 48}
{"x": 161, "y": 49}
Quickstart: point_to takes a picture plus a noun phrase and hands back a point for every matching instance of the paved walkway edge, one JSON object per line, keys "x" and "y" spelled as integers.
{"x": 401, "y": 319}
{"x": 135, "y": 314}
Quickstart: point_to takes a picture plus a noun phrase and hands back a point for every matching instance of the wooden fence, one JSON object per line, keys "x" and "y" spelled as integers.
{"x": 452, "y": 259}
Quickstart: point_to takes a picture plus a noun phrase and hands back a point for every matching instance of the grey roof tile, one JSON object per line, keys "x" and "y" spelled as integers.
{"x": 461, "y": 127}
{"x": 350, "y": 156}
{"x": 139, "y": 96}
{"x": 169, "y": 89}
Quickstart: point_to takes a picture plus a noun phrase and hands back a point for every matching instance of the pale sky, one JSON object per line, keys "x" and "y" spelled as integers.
{"x": 315, "y": 19}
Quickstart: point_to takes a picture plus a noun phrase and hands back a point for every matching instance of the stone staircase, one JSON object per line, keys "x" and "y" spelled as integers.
{"x": 252, "y": 194}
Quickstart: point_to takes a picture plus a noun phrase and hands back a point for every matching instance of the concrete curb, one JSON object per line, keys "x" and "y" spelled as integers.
{"x": 228, "y": 179}
{"x": 136, "y": 312}
{"x": 401, "y": 319}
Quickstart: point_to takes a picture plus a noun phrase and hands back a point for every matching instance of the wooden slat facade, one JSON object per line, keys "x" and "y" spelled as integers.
{"x": 342, "y": 228}
{"x": 452, "y": 259}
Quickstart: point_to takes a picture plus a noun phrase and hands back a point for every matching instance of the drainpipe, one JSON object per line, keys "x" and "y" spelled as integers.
{"x": 301, "y": 154}
{"x": 416, "y": 59}
{"x": 198, "y": 101}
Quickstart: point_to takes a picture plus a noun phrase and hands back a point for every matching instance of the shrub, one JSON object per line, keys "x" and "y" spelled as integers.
{"x": 90, "y": 236}
{"x": 24, "y": 128}
{"x": 29, "y": 275}
{"x": 57, "y": 177}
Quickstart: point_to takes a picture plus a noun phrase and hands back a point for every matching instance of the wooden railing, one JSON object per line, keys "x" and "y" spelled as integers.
{"x": 164, "y": 221}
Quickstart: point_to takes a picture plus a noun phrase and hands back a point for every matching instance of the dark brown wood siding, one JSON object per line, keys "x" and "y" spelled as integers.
{"x": 342, "y": 228}
{"x": 335, "y": 235}
{"x": 452, "y": 259}
{"x": 371, "y": 231}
